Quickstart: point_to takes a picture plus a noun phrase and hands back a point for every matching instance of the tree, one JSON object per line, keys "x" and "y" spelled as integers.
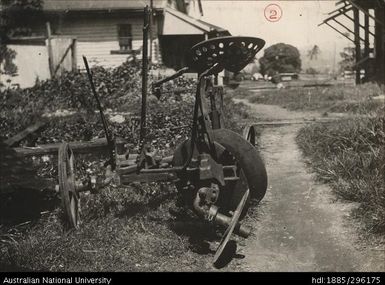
{"x": 314, "y": 52}
{"x": 16, "y": 17}
{"x": 280, "y": 58}
{"x": 312, "y": 71}
{"x": 348, "y": 56}
{"x": 6, "y": 60}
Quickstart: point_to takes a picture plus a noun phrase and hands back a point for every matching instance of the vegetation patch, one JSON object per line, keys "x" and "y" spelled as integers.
{"x": 349, "y": 155}
{"x": 353, "y": 99}
{"x": 122, "y": 230}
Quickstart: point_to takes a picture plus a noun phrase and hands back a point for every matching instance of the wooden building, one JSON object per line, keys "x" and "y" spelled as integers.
{"x": 366, "y": 31}
{"x": 110, "y": 31}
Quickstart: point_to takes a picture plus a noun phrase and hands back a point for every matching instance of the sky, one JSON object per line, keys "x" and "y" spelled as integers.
{"x": 298, "y": 25}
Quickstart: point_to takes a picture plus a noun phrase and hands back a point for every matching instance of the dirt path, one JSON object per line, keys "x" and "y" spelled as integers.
{"x": 300, "y": 226}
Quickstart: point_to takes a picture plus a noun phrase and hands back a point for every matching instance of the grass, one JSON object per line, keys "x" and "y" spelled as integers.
{"x": 122, "y": 230}
{"x": 126, "y": 229}
{"x": 352, "y": 99}
{"x": 235, "y": 114}
{"x": 349, "y": 155}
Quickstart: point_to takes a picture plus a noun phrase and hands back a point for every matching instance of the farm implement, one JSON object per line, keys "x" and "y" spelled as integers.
{"x": 216, "y": 171}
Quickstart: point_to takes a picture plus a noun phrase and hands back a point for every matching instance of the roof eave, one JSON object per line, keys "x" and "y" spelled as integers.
{"x": 186, "y": 18}
{"x": 103, "y": 10}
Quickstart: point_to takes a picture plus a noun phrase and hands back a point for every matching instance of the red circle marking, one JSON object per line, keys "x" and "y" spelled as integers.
{"x": 273, "y": 12}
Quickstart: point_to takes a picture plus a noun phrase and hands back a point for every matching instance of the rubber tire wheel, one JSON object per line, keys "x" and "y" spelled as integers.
{"x": 247, "y": 156}
{"x": 249, "y": 160}
{"x": 70, "y": 199}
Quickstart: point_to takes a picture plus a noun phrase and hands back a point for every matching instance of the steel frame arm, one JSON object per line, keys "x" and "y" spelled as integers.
{"x": 171, "y": 77}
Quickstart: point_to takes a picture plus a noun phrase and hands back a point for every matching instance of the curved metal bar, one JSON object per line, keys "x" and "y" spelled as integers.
{"x": 110, "y": 141}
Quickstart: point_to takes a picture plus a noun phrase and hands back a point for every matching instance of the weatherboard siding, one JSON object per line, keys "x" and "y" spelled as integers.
{"x": 100, "y": 54}
{"x": 98, "y": 36}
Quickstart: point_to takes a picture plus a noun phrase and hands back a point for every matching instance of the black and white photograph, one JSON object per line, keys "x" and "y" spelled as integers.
{"x": 192, "y": 136}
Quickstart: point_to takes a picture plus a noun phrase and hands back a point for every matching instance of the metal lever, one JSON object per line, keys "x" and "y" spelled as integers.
{"x": 156, "y": 85}
{"x": 110, "y": 142}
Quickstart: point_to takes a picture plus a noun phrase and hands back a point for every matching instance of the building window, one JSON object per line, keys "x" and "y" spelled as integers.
{"x": 125, "y": 37}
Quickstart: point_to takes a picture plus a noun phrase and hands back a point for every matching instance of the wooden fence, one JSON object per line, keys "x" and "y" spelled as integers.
{"x": 61, "y": 54}
{"x": 40, "y": 58}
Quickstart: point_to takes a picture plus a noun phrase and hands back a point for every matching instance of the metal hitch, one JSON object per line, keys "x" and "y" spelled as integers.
{"x": 225, "y": 221}
{"x": 210, "y": 212}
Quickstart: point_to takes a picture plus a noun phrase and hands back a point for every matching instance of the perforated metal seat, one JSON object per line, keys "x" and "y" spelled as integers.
{"x": 232, "y": 53}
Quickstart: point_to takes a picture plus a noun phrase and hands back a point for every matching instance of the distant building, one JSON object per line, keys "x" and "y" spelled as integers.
{"x": 110, "y": 31}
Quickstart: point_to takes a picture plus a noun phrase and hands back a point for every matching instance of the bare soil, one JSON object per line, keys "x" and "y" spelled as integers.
{"x": 300, "y": 226}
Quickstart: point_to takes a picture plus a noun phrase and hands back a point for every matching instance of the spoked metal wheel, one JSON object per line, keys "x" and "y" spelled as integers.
{"x": 67, "y": 186}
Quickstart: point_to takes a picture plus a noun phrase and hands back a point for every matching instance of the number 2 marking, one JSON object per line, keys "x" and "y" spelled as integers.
{"x": 273, "y": 14}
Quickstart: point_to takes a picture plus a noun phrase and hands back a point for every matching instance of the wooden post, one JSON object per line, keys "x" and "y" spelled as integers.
{"x": 200, "y": 7}
{"x": 380, "y": 44}
{"x": 366, "y": 43}
{"x": 366, "y": 25}
{"x": 74, "y": 55}
{"x": 49, "y": 47}
{"x": 150, "y": 30}
{"x": 144, "y": 75}
{"x": 357, "y": 43}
